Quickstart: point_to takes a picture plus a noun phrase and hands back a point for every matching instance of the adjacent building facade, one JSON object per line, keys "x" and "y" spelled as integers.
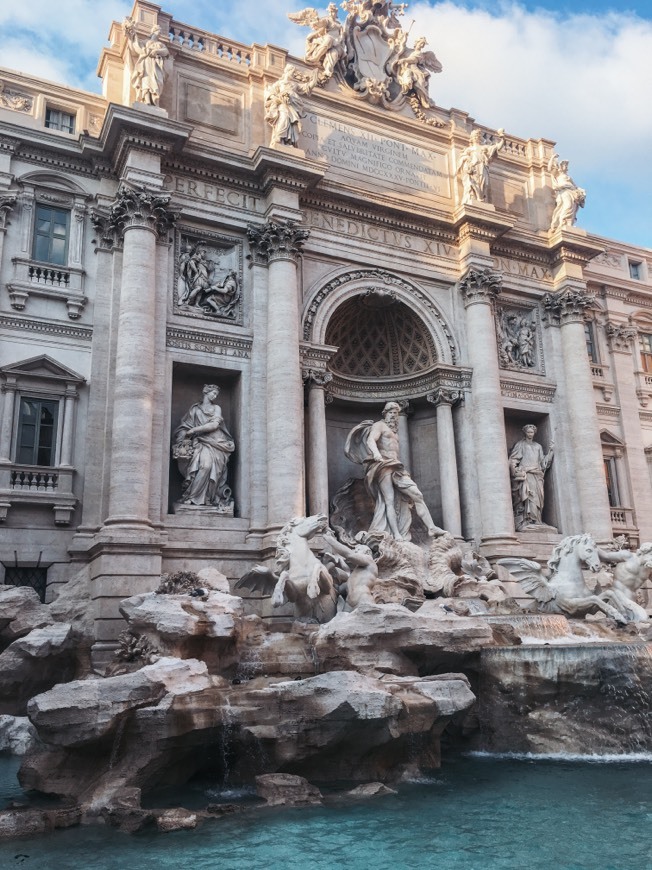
{"x": 150, "y": 247}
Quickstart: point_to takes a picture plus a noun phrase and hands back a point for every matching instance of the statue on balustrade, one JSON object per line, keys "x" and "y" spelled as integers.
{"x": 375, "y": 446}
{"x": 148, "y": 63}
{"x": 202, "y": 447}
{"x": 284, "y": 106}
{"x": 473, "y": 167}
{"x": 568, "y": 196}
{"x": 528, "y": 465}
{"x": 325, "y": 46}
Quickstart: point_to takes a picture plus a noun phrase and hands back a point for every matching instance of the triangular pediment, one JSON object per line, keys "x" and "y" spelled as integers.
{"x": 43, "y": 367}
{"x": 611, "y": 440}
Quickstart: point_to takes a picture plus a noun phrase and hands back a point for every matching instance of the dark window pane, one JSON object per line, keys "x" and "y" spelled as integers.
{"x": 57, "y": 252}
{"x": 37, "y": 432}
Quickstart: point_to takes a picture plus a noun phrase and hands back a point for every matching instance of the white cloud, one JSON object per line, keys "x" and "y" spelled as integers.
{"x": 581, "y": 80}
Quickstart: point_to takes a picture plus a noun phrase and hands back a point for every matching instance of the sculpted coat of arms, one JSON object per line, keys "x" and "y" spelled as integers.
{"x": 369, "y": 52}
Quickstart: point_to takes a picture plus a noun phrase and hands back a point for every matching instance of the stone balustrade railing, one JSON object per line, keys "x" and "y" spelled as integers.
{"x": 200, "y": 40}
{"x": 32, "y": 278}
{"x": 26, "y": 477}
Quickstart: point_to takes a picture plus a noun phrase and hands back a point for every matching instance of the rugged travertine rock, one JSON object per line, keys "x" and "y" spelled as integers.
{"x": 34, "y": 663}
{"x": 390, "y": 639}
{"x": 17, "y": 734}
{"x": 285, "y": 789}
{"x": 20, "y": 612}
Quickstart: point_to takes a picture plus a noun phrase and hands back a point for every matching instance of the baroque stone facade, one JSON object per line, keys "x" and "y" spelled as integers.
{"x": 314, "y": 238}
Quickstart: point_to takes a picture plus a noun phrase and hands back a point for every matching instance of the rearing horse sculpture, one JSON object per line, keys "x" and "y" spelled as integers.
{"x": 563, "y": 590}
{"x": 299, "y": 577}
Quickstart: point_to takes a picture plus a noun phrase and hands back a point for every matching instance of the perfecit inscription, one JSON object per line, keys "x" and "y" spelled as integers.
{"x": 387, "y": 160}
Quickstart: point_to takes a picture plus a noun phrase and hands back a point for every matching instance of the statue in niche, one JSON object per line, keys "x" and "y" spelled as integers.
{"x": 325, "y": 46}
{"x": 202, "y": 447}
{"x": 528, "y": 465}
{"x": 472, "y": 167}
{"x": 413, "y": 71}
{"x": 516, "y": 339}
{"x": 568, "y": 196}
{"x": 148, "y": 60}
{"x": 376, "y": 447}
{"x": 204, "y": 284}
{"x": 284, "y": 106}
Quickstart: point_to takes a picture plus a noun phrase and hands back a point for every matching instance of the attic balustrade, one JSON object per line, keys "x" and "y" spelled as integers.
{"x": 199, "y": 40}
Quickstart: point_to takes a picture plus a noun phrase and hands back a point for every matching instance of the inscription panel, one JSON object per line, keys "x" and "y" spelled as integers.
{"x": 362, "y": 152}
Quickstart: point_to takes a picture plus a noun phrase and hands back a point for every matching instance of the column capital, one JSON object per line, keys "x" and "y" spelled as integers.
{"x": 138, "y": 207}
{"x": 480, "y": 285}
{"x": 276, "y": 240}
{"x": 316, "y": 378}
{"x": 444, "y": 396}
{"x": 620, "y": 337}
{"x": 567, "y": 306}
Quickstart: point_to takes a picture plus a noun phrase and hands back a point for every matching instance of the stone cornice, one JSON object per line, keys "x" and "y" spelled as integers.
{"x": 283, "y": 169}
{"x": 480, "y": 222}
{"x": 276, "y": 240}
{"x": 527, "y": 391}
{"x": 441, "y": 376}
{"x": 208, "y": 342}
{"x": 27, "y": 324}
{"x": 569, "y": 245}
{"x": 567, "y": 306}
{"x": 480, "y": 286}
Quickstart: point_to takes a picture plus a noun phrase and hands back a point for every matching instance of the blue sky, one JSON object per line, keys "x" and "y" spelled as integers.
{"x": 579, "y": 73}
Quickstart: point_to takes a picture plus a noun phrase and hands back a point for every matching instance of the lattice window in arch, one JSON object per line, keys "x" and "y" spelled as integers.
{"x": 379, "y": 336}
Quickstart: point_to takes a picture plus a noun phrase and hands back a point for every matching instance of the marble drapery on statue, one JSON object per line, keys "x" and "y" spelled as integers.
{"x": 568, "y": 196}
{"x": 473, "y": 167}
{"x": 148, "y": 60}
{"x": 528, "y": 465}
{"x": 202, "y": 446}
{"x": 375, "y": 446}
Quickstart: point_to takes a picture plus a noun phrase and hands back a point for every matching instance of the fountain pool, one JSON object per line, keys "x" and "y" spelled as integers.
{"x": 476, "y": 813}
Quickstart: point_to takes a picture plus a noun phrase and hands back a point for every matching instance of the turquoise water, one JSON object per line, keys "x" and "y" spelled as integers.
{"x": 475, "y": 814}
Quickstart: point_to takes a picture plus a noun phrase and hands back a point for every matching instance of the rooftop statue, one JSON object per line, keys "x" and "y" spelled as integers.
{"x": 473, "y": 167}
{"x": 148, "y": 60}
{"x": 527, "y": 466}
{"x": 376, "y": 447}
{"x": 562, "y": 589}
{"x": 568, "y": 196}
{"x": 202, "y": 446}
{"x": 325, "y": 46}
{"x": 413, "y": 71}
{"x": 284, "y": 106}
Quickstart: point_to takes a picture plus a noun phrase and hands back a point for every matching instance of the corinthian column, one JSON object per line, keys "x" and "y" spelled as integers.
{"x": 479, "y": 288}
{"x": 567, "y": 309}
{"x": 279, "y": 245}
{"x": 450, "y": 492}
{"x": 317, "y": 443}
{"x": 139, "y": 216}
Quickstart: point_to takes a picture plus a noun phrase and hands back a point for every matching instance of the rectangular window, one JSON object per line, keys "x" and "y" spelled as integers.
{"x": 611, "y": 479}
{"x": 646, "y": 351}
{"x": 635, "y": 270}
{"x": 51, "y": 233}
{"x": 37, "y": 429}
{"x": 37, "y": 578}
{"x": 591, "y": 348}
{"x": 55, "y": 119}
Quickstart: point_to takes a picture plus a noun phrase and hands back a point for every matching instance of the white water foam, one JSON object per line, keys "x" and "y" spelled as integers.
{"x": 593, "y": 758}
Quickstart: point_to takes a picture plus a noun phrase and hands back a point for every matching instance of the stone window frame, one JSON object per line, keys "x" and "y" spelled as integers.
{"x": 32, "y": 277}
{"x": 613, "y": 453}
{"x": 39, "y": 377}
{"x": 58, "y": 122}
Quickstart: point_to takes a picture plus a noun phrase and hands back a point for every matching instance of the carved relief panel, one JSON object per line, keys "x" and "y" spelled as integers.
{"x": 519, "y": 338}
{"x": 208, "y": 276}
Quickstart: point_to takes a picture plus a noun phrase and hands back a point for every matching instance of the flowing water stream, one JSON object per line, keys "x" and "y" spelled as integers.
{"x": 476, "y": 813}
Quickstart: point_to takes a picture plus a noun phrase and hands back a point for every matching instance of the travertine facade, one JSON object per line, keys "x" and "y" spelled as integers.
{"x": 313, "y": 268}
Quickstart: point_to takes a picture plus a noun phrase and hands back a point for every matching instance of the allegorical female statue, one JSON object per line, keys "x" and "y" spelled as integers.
{"x": 202, "y": 446}
{"x": 528, "y": 465}
{"x": 148, "y": 59}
